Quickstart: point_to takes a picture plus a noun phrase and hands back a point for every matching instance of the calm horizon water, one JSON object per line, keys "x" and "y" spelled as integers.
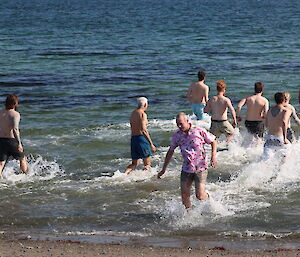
{"x": 78, "y": 67}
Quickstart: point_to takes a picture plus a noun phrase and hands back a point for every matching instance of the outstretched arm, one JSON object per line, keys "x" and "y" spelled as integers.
{"x": 166, "y": 162}
{"x": 206, "y": 95}
{"x": 265, "y": 110}
{"x": 233, "y": 114}
{"x": 295, "y": 116}
{"x": 239, "y": 107}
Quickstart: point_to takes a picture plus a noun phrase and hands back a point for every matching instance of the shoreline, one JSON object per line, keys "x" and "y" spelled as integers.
{"x": 21, "y": 245}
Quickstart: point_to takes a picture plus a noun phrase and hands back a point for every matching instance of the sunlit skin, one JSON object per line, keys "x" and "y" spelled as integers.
{"x": 9, "y": 129}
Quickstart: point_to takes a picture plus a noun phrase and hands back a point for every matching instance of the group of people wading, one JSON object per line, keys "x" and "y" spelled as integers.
{"x": 191, "y": 139}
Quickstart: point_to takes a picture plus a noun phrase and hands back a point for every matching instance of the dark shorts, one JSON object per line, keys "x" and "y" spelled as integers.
{"x": 255, "y": 127}
{"x": 140, "y": 148}
{"x": 290, "y": 135}
{"x": 199, "y": 177}
{"x": 9, "y": 147}
{"x": 273, "y": 143}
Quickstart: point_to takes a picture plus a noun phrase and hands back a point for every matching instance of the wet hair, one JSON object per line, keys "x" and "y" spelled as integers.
{"x": 258, "y": 87}
{"x": 141, "y": 101}
{"x": 11, "y": 101}
{"x": 279, "y": 97}
{"x": 201, "y": 75}
{"x": 221, "y": 85}
{"x": 287, "y": 96}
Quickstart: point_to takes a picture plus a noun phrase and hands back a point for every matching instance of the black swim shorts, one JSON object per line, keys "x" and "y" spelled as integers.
{"x": 9, "y": 147}
{"x": 291, "y": 135}
{"x": 255, "y": 127}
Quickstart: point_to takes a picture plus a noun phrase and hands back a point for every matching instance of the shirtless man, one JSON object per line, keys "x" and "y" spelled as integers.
{"x": 257, "y": 107}
{"x": 141, "y": 143}
{"x": 219, "y": 105}
{"x": 290, "y": 133}
{"x": 277, "y": 120}
{"x": 197, "y": 95}
{"x": 10, "y": 141}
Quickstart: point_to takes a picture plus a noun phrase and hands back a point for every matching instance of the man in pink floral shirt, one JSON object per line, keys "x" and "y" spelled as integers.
{"x": 191, "y": 141}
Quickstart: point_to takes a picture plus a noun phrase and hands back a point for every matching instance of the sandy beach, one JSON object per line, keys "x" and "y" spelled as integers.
{"x": 28, "y": 247}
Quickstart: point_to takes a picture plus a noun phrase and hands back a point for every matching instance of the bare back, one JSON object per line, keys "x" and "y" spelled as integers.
{"x": 198, "y": 93}
{"x": 218, "y": 106}
{"x": 9, "y": 120}
{"x": 257, "y": 107}
{"x": 274, "y": 120}
{"x": 138, "y": 122}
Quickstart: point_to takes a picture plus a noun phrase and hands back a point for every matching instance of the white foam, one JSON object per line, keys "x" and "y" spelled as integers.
{"x": 249, "y": 234}
{"x": 105, "y": 233}
{"x": 39, "y": 169}
{"x": 248, "y": 190}
{"x": 135, "y": 176}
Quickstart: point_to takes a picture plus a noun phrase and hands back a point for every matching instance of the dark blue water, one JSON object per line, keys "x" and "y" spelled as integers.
{"x": 78, "y": 66}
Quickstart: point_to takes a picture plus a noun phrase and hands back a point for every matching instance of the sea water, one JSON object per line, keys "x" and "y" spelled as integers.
{"x": 78, "y": 67}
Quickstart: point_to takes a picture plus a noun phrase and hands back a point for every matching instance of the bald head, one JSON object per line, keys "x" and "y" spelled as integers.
{"x": 181, "y": 114}
{"x": 182, "y": 122}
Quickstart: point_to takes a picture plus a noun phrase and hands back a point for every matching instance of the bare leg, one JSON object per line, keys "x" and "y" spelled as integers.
{"x": 186, "y": 193}
{"x": 200, "y": 186}
{"x": 146, "y": 162}
{"x": 200, "y": 192}
{"x": 132, "y": 166}
{"x": 1, "y": 167}
{"x": 23, "y": 165}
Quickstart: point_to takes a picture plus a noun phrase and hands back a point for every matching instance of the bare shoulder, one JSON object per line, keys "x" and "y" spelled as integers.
{"x": 141, "y": 114}
{"x": 227, "y": 99}
{"x": 287, "y": 111}
{"x": 292, "y": 107}
{"x": 15, "y": 114}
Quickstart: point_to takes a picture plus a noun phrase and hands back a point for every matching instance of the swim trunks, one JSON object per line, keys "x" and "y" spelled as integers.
{"x": 219, "y": 127}
{"x": 140, "y": 147}
{"x": 9, "y": 147}
{"x": 291, "y": 135}
{"x": 198, "y": 110}
{"x": 198, "y": 177}
{"x": 272, "y": 145}
{"x": 255, "y": 127}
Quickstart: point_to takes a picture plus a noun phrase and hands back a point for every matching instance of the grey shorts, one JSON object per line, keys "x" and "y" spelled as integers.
{"x": 219, "y": 127}
{"x": 199, "y": 177}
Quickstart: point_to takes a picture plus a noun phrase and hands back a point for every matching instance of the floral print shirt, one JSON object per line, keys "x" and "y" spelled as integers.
{"x": 192, "y": 148}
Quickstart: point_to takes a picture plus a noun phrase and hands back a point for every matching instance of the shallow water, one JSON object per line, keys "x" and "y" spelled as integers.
{"x": 78, "y": 67}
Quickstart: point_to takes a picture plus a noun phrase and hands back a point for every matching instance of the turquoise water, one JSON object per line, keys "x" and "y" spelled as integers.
{"x": 78, "y": 67}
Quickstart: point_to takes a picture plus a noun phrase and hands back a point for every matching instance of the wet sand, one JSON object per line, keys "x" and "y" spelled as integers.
{"x": 28, "y": 247}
